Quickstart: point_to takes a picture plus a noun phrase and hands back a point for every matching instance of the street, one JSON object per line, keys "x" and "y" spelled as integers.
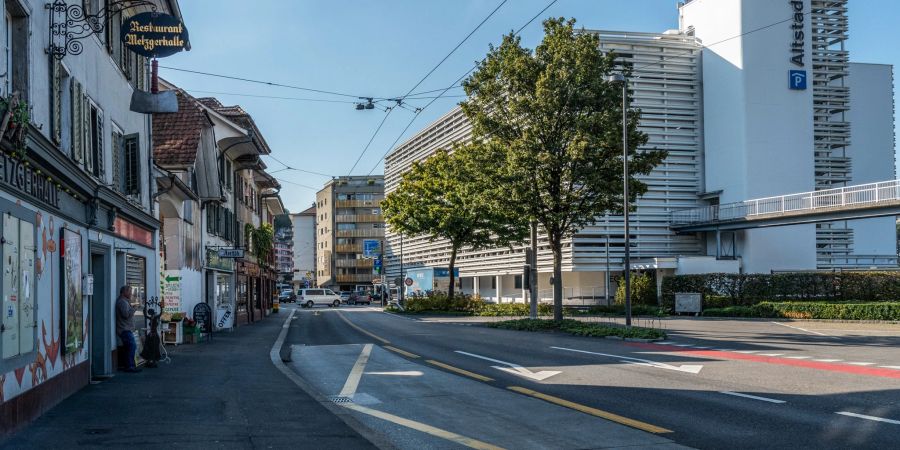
{"x": 713, "y": 384}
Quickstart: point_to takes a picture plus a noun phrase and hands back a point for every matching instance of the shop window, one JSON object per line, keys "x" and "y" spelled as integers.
{"x": 136, "y": 277}
{"x": 18, "y": 288}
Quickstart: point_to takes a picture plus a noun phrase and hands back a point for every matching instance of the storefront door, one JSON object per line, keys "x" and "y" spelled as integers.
{"x": 101, "y": 316}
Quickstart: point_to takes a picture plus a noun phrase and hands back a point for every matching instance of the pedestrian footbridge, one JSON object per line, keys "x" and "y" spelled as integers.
{"x": 846, "y": 203}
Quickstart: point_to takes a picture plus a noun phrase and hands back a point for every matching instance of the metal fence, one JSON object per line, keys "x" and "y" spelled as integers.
{"x": 849, "y": 197}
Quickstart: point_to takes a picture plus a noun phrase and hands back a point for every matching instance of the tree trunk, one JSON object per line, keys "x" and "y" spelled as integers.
{"x": 451, "y": 289}
{"x": 533, "y": 289}
{"x": 557, "y": 279}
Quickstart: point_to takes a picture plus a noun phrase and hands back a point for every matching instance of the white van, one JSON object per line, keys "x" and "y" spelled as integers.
{"x": 311, "y": 297}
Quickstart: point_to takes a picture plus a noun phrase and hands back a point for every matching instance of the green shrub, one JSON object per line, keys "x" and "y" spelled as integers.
{"x": 440, "y": 302}
{"x": 812, "y": 310}
{"x": 722, "y": 290}
{"x": 643, "y": 290}
{"x": 580, "y": 328}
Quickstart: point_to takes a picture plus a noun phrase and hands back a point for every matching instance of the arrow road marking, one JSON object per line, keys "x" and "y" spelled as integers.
{"x": 515, "y": 369}
{"x": 688, "y": 368}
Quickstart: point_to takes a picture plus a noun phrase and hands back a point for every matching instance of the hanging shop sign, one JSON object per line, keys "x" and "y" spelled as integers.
{"x": 27, "y": 180}
{"x": 154, "y": 35}
{"x": 232, "y": 253}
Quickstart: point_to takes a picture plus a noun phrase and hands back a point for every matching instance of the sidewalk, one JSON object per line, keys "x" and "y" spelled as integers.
{"x": 226, "y": 394}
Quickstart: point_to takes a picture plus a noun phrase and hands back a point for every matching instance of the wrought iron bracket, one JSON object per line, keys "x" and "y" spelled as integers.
{"x": 69, "y": 23}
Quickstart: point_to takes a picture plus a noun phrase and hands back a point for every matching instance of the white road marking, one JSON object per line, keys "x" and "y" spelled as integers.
{"x": 747, "y": 351}
{"x": 666, "y": 343}
{"x": 701, "y": 348}
{"x": 724, "y": 349}
{"x": 861, "y": 363}
{"x": 694, "y": 369}
{"x": 356, "y": 373}
{"x": 684, "y": 345}
{"x": 891, "y": 367}
{"x": 754, "y": 397}
{"x": 515, "y": 369}
{"x": 863, "y": 416}
{"x": 828, "y": 360}
{"x": 801, "y": 329}
{"x": 798, "y": 357}
{"x": 408, "y": 373}
{"x": 771, "y": 354}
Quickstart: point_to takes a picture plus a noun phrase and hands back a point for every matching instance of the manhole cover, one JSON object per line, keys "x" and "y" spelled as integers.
{"x": 340, "y": 399}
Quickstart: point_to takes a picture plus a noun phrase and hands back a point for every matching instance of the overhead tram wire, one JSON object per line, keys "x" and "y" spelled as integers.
{"x": 399, "y": 100}
{"x": 662, "y": 60}
{"x": 268, "y": 83}
{"x": 454, "y": 84}
{"x": 274, "y": 97}
{"x": 289, "y": 167}
{"x": 297, "y": 184}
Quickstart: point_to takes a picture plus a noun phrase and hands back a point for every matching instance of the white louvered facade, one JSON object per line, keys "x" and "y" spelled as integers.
{"x": 668, "y": 95}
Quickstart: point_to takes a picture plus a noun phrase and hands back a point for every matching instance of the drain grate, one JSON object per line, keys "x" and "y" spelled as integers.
{"x": 340, "y": 399}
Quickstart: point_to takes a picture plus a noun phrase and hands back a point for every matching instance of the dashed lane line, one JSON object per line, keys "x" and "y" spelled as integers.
{"x": 357, "y": 328}
{"x": 402, "y": 352}
{"x": 861, "y": 363}
{"x": 459, "y": 371}
{"x": 425, "y": 428}
{"x": 801, "y": 329}
{"x": 873, "y": 418}
{"x": 643, "y": 426}
{"x": 754, "y": 397}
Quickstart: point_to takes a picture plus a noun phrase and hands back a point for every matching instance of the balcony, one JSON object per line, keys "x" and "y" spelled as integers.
{"x": 357, "y": 203}
{"x": 374, "y": 232}
{"x": 353, "y": 218}
{"x": 348, "y": 248}
{"x": 356, "y": 278}
{"x": 364, "y": 263}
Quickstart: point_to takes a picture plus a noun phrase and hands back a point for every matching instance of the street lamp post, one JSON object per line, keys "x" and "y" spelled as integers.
{"x": 620, "y": 79}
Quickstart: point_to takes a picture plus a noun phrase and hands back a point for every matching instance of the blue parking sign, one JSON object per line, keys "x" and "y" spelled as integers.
{"x": 797, "y": 80}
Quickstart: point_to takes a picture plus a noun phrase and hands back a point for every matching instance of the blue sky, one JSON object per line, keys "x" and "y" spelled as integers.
{"x": 381, "y": 49}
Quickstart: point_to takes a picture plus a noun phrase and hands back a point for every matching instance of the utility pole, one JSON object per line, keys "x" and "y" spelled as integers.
{"x": 620, "y": 78}
{"x": 606, "y": 287}
{"x": 533, "y": 286}
{"x": 402, "y": 286}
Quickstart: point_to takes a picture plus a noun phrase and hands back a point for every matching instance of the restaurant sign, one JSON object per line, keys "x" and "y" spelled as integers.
{"x": 27, "y": 180}
{"x": 154, "y": 35}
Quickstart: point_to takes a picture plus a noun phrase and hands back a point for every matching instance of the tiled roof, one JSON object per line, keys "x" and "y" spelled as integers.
{"x": 311, "y": 211}
{"x": 176, "y": 136}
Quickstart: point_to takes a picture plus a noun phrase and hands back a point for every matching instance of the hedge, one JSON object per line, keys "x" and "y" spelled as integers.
{"x": 889, "y": 311}
{"x": 467, "y": 305}
{"x": 722, "y": 290}
{"x": 579, "y": 328}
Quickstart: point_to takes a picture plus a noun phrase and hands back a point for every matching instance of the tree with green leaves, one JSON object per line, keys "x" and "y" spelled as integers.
{"x": 455, "y": 195}
{"x": 560, "y": 121}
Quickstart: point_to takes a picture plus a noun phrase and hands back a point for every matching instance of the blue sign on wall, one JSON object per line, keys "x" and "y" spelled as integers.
{"x": 371, "y": 248}
{"x": 797, "y": 80}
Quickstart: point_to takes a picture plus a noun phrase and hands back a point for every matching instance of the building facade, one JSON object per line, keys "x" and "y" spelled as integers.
{"x": 717, "y": 97}
{"x": 76, "y": 194}
{"x": 349, "y": 232}
{"x": 284, "y": 254}
{"x": 304, "y": 248}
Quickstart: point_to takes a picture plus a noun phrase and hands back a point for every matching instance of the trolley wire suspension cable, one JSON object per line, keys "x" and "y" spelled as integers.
{"x": 455, "y": 83}
{"x": 399, "y": 100}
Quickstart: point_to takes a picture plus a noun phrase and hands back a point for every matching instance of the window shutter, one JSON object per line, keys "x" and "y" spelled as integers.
{"x": 56, "y": 92}
{"x": 209, "y": 222}
{"x": 86, "y": 126}
{"x": 118, "y": 149}
{"x": 77, "y": 122}
{"x": 101, "y": 157}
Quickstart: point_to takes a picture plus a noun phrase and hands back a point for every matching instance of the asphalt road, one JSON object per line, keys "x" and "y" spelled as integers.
{"x": 714, "y": 384}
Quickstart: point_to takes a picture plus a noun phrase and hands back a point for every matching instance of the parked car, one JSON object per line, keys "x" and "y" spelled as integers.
{"x": 311, "y": 297}
{"x": 345, "y": 296}
{"x": 287, "y": 296}
{"x": 360, "y": 297}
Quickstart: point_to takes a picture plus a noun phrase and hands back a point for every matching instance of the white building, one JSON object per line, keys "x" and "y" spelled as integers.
{"x": 715, "y": 94}
{"x": 304, "y": 249}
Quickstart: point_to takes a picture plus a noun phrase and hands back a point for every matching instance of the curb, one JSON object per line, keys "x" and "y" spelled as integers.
{"x": 342, "y": 413}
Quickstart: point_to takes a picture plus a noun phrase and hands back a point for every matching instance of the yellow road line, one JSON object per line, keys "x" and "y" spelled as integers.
{"x": 459, "y": 371}
{"x": 357, "y": 328}
{"x": 402, "y": 352}
{"x": 353, "y": 379}
{"x": 437, "y": 432}
{"x": 592, "y": 411}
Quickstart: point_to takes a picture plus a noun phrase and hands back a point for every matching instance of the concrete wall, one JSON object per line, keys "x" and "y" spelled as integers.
{"x": 871, "y": 119}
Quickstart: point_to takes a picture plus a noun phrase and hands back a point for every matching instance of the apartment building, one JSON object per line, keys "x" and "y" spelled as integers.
{"x": 349, "y": 232}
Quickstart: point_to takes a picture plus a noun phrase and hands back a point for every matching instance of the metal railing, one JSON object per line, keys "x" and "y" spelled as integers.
{"x": 849, "y": 197}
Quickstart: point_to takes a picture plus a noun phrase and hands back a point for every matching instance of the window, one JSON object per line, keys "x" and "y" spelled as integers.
{"x": 228, "y": 175}
{"x": 518, "y": 282}
{"x": 95, "y": 161}
{"x": 16, "y": 50}
{"x": 132, "y": 171}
